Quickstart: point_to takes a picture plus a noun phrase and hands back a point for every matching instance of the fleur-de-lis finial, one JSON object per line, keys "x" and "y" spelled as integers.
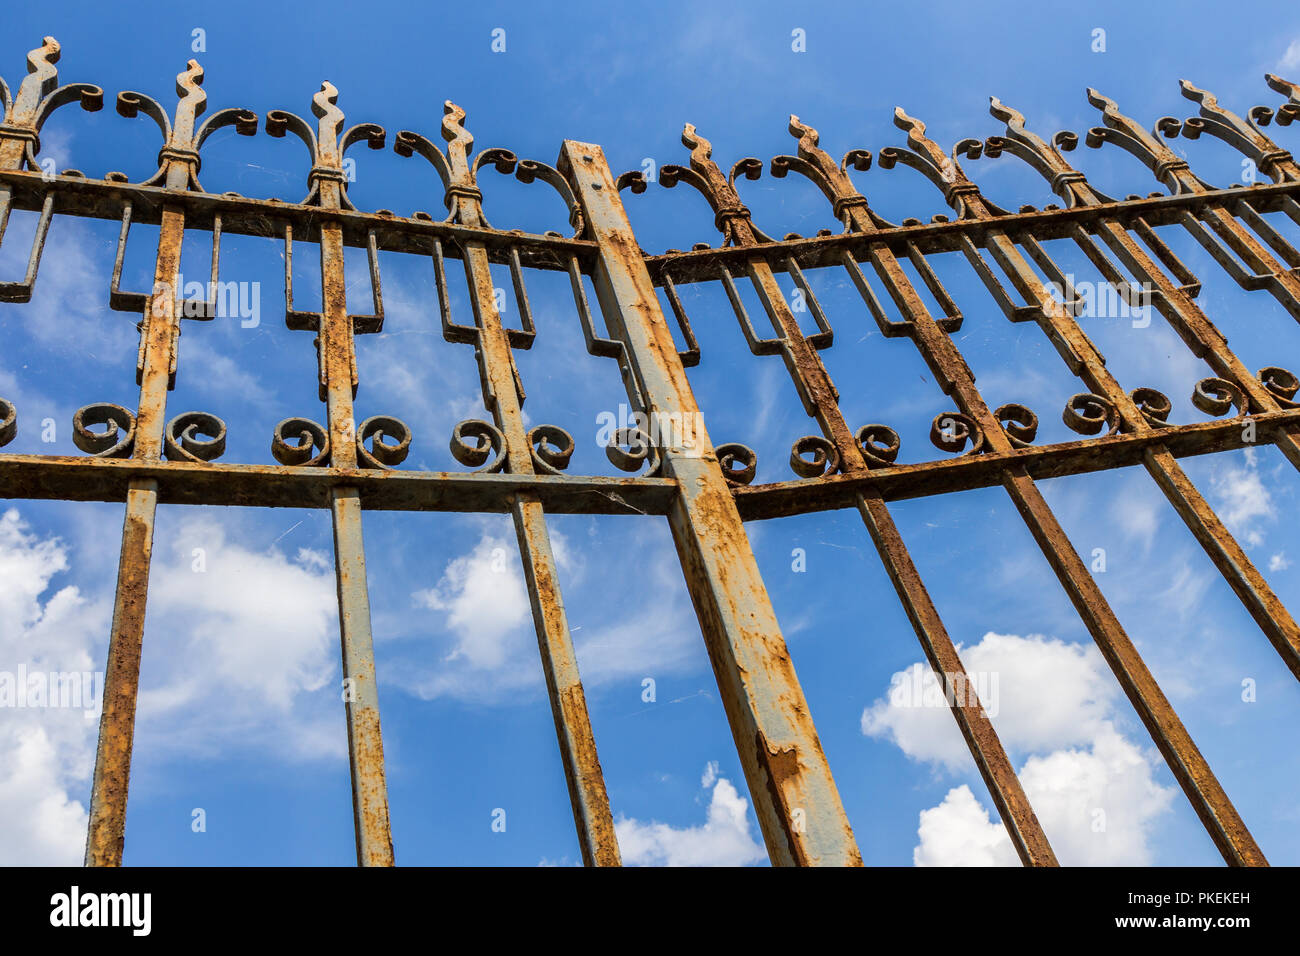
{"x": 458, "y": 171}
{"x": 1243, "y": 134}
{"x": 730, "y": 215}
{"x": 178, "y": 160}
{"x": 831, "y": 178}
{"x": 38, "y": 96}
{"x": 1288, "y": 89}
{"x": 1066, "y": 181}
{"x": 947, "y": 167}
{"x": 719, "y": 188}
{"x": 1127, "y": 133}
{"x": 928, "y": 158}
{"x": 327, "y": 146}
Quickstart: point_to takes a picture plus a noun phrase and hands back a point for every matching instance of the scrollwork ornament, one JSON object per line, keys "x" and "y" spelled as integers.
{"x": 739, "y": 463}
{"x": 631, "y": 449}
{"x": 1281, "y": 384}
{"x": 824, "y": 457}
{"x": 313, "y": 444}
{"x": 182, "y": 136}
{"x": 879, "y": 444}
{"x": 952, "y": 431}
{"x": 8, "y": 422}
{"x": 485, "y": 453}
{"x": 118, "y": 436}
{"x": 182, "y": 441}
{"x": 1217, "y": 397}
{"x": 1019, "y": 422}
{"x": 1153, "y": 404}
{"x": 383, "y": 454}
{"x": 551, "y": 448}
{"x": 1088, "y": 414}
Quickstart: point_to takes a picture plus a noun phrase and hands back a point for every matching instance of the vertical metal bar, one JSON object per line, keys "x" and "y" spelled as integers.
{"x": 1185, "y": 760}
{"x": 105, "y": 837}
{"x": 1189, "y": 767}
{"x": 586, "y": 782}
{"x": 106, "y": 832}
{"x": 820, "y": 398}
{"x": 981, "y": 738}
{"x": 1219, "y": 544}
{"x": 821, "y": 401}
{"x": 365, "y": 739}
{"x": 795, "y": 799}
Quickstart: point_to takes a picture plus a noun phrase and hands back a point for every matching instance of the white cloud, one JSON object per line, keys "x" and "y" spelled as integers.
{"x": 958, "y": 833}
{"x": 1291, "y": 58}
{"x": 1094, "y": 791}
{"x": 47, "y": 753}
{"x": 485, "y": 647}
{"x": 241, "y": 654}
{"x": 724, "y": 838}
{"x": 1243, "y": 499}
{"x": 1046, "y": 694}
{"x": 242, "y": 651}
{"x": 710, "y": 775}
{"x": 1278, "y": 562}
{"x": 485, "y": 601}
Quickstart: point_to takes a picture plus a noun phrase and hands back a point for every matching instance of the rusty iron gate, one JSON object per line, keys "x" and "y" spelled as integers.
{"x": 142, "y": 457}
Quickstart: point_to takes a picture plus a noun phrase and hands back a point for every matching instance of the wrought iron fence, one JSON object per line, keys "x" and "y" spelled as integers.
{"x": 142, "y": 457}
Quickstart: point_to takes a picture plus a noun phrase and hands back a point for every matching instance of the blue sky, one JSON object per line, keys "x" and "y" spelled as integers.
{"x": 239, "y": 713}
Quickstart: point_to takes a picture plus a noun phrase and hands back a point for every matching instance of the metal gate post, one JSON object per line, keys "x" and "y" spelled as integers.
{"x": 159, "y": 330}
{"x": 795, "y": 798}
{"x": 338, "y": 383}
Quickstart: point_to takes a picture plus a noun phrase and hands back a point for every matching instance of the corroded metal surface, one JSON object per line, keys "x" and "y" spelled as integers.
{"x": 337, "y": 385}
{"x": 150, "y": 455}
{"x": 545, "y": 448}
{"x": 795, "y": 799}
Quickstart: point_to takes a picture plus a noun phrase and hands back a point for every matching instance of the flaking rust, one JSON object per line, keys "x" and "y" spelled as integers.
{"x": 145, "y": 456}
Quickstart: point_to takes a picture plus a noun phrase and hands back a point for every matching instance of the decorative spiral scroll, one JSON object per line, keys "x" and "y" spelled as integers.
{"x": 117, "y": 438}
{"x": 477, "y": 443}
{"x": 310, "y": 438}
{"x": 382, "y": 454}
{"x": 1281, "y": 384}
{"x": 1214, "y": 396}
{"x": 8, "y": 422}
{"x": 1088, "y": 414}
{"x": 640, "y": 450}
{"x": 739, "y": 463}
{"x": 951, "y": 431}
{"x": 879, "y": 444}
{"x": 825, "y": 458}
{"x": 551, "y": 447}
{"x": 1154, "y": 406}
{"x": 1019, "y": 422}
{"x": 182, "y": 442}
